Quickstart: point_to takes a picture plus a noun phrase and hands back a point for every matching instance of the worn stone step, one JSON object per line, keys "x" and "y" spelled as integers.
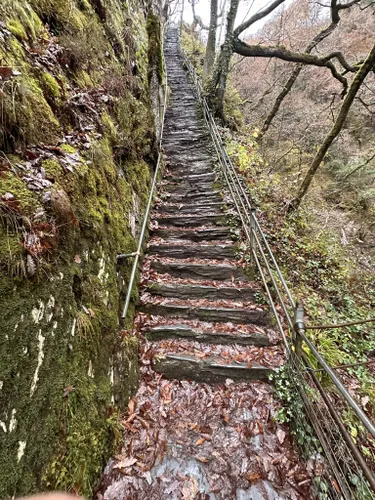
{"x": 193, "y": 221}
{"x": 191, "y": 176}
{"x": 185, "y": 332}
{"x": 185, "y": 187}
{"x": 186, "y": 270}
{"x": 188, "y": 291}
{"x": 181, "y": 251}
{"x": 189, "y": 208}
{"x": 192, "y": 197}
{"x": 215, "y": 314}
{"x": 207, "y": 234}
{"x": 182, "y": 169}
{"x": 207, "y": 370}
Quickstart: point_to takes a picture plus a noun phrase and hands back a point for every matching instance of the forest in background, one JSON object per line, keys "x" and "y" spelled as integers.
{"x": 326, "y": 247}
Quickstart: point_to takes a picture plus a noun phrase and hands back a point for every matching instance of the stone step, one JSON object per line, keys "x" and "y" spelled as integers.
{"x": 189, "y": 208}
{"x": 185, "y": 332}
{"x": 186, "y": 270}
{"x": 190, "y": 175}
{"x": 188, "y": 291}
{"x": 175, "y": 366}
{"x": 193, "y": 197}
{"x": 193, "y": 221}
{"x": 207, "y": 234}
{"x": 214, "y": 314}
{"x": 181, "y": 251}
{"x": 190, "y": 171}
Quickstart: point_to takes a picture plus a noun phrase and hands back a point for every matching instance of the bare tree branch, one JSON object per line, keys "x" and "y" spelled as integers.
{"x": 359, "y": 167}
{"x": 283, "y": 53}
{"x": 256, "y": 17}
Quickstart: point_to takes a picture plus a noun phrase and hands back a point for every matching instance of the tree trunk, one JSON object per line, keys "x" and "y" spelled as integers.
{"x": 365, "y": 68}
{"x": 209, "y": 58}
{"x": 220, "y": 76}
{"x": 279, "y": 99}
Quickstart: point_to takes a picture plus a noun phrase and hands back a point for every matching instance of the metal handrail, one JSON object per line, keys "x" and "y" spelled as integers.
{"x": 291, "y": 309}
{"x": 146, "y": 215}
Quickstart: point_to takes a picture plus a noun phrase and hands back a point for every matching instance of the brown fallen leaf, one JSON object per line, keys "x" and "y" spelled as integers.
{"x": 200, "y": 441}
{"x": 202, "y": 459}
{"x": 253, "y": 476}
{"x": 127, "y": 462}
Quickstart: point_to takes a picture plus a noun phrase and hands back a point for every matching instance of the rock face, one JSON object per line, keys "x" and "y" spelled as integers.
{"x": 80, "y": 97}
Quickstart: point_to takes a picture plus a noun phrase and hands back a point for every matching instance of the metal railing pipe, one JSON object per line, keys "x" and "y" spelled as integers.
{"x": 150, "y": 199}
{"x": 339, "y": 385}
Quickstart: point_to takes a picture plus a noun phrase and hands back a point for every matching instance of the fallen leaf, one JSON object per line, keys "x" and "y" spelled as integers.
{"x": 200, "y": 441}
{"x": 128, "y": 462}
{"x": 280, "y": 435}
{"x": 253, "y": 476}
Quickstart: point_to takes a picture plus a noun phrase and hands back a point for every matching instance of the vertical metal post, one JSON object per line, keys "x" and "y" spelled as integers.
{"x": 299, "y": 325}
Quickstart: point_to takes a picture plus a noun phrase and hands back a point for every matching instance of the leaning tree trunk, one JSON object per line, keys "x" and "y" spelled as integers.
{"x": 209, "y": 58}
{"x": 365, "y": 68}
{"x": 220, "y": 75}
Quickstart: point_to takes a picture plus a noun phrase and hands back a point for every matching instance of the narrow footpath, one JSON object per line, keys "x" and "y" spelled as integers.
{"x": 202, "y": 424}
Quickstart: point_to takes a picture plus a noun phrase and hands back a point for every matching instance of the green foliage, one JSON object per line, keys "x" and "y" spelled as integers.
{"x": 293, "y": 410}
{"x": 193, "y": 48}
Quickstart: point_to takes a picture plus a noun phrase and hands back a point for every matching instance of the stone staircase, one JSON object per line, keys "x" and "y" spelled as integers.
{"x": 194, "y": 288}
{"x": 203, "y": 423}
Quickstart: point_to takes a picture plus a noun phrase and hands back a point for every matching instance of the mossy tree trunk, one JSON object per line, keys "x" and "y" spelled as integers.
{"x": 220, "y": 75}
{"x": 364, "y": 70}
{"x": 209, "y": 58}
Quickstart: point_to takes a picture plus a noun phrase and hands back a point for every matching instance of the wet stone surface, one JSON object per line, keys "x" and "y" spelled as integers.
{"x": 203, "y": 424}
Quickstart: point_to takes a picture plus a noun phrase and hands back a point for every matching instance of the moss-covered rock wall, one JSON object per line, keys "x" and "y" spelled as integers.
{"x": 79, "y": 95}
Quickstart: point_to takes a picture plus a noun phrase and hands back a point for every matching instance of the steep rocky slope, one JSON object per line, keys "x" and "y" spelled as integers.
{"x": 80, "y": 87}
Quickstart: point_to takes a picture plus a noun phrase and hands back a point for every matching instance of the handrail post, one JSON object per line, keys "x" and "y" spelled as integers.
{"x": 298, "y": 325}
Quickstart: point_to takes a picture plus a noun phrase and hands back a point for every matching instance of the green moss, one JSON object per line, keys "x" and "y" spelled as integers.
{"x": 50, "y": 84}
{"x": 26, "y": 200}
{"x": 155, "y": 57}
{"x": 17, "y": 49}
{"x": 10, "y": 246}
{"x": 109, "y": 127}
{"x": 88, "y": 440}
{"x": 83, "y": 79}
{"x": 53, "y": 169}
{"x": 16, "y": 28}
{"x": 35, "y": 118}
{"x": 63, "y": 13}
{"x": 67, "y": 148}
{"x": 70, "y": 436}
